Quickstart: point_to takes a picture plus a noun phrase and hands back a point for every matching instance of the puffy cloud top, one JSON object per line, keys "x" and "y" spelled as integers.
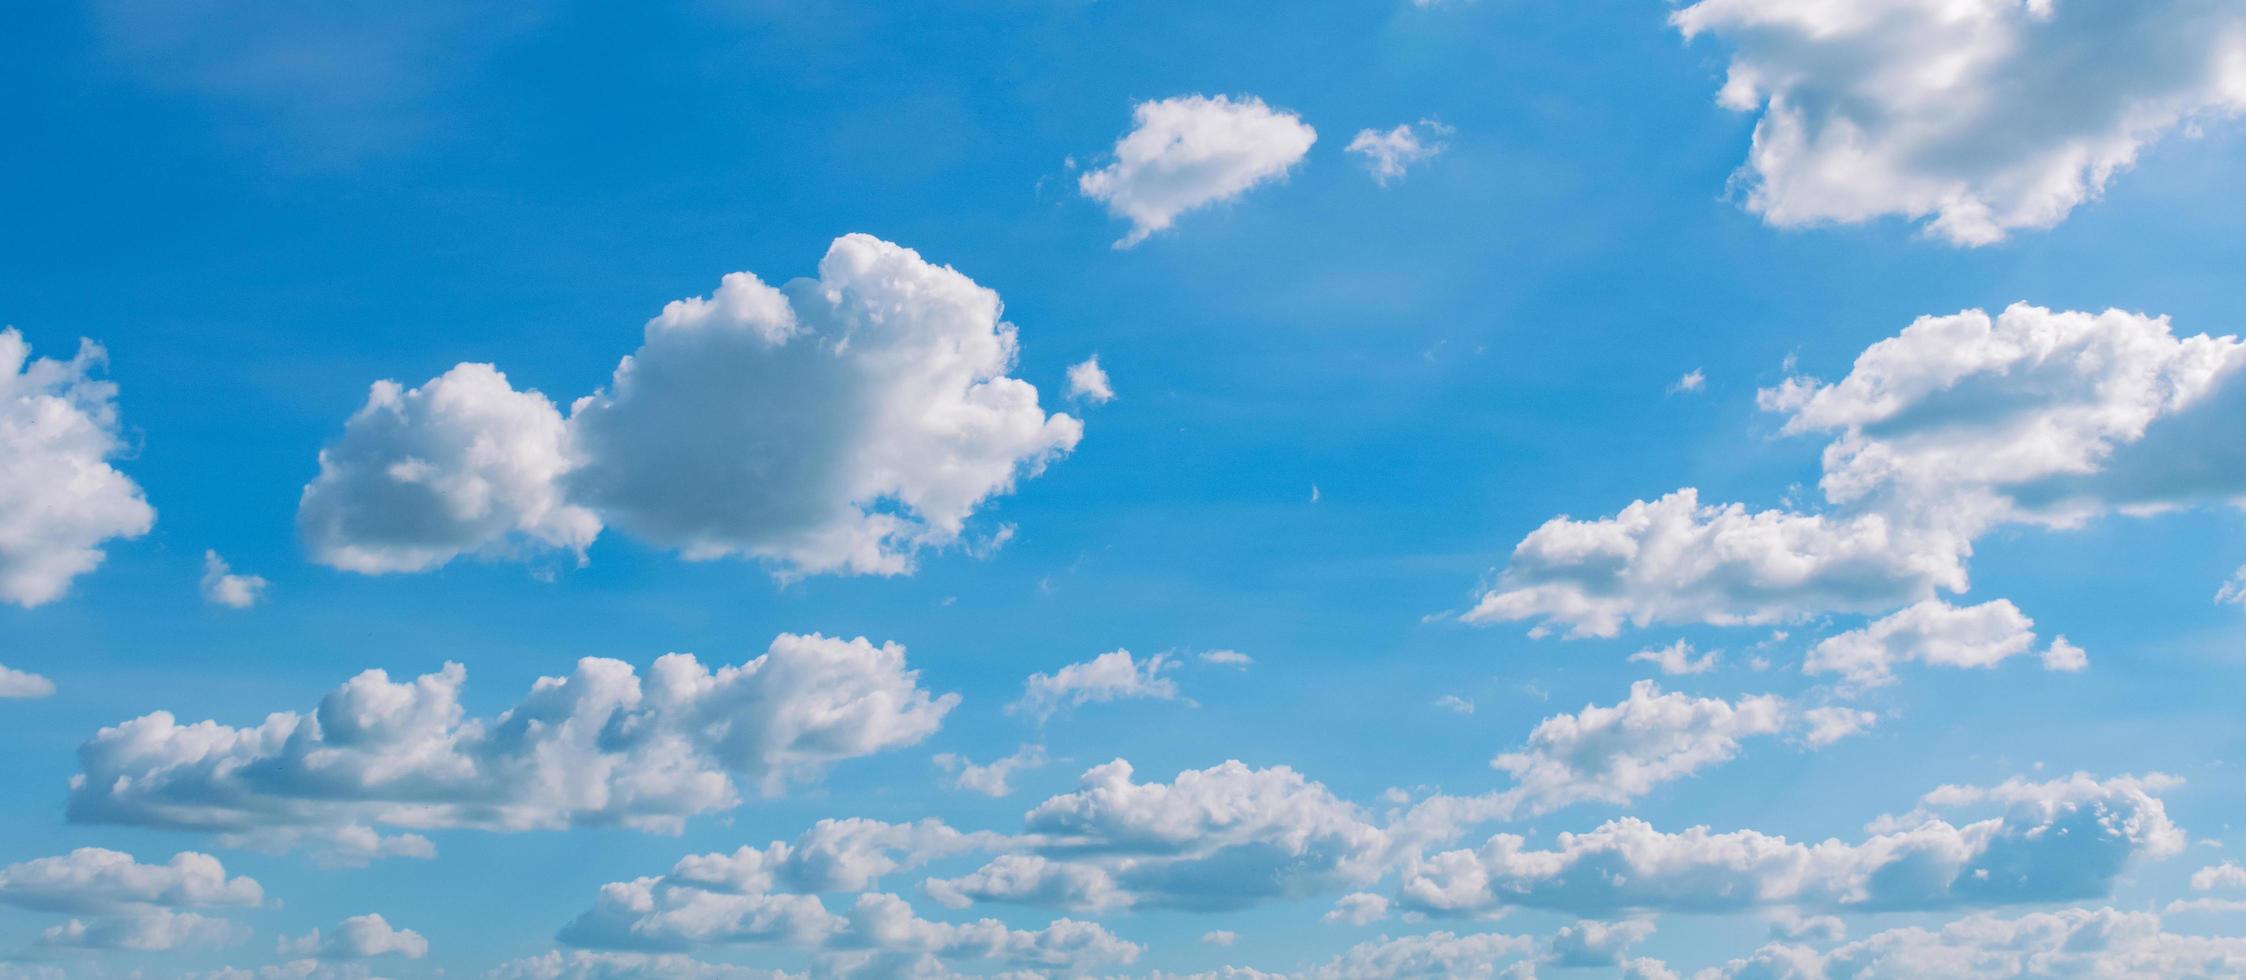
{"x": 60, "y": 499}
{"x": 602, "y": 745}
{"x": 1192, "y": 151}
{"x": 836, "y": 424}
{"x": 1987, "y": 116}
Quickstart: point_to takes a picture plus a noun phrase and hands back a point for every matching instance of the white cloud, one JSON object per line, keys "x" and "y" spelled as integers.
{"x": 1988, "y": 116}
{"x": 2225, "y": 875}
{"x": 1619, "y": 753}
{"x": 1388, "y": 154}
{"x": 769, "y": 896}
{"x": 129, "y": 905}
{"x": 1111, "y": 676}
{"x": 357, "y": 938}
{"x": 1227, "y": 658}
{"x": 1939, "y": 634}
{"x": 1831, "y": 724}
{"x": 463, "y": 464}
{"x": 147, "y": 930}
{"x": 1220, "y": 937}
{"x": 60, "y": 499}
{"x": 582, "y": 964}
{"x": 1677, "y": 658}
{"x": 599, "y": 746}
{"x": 1435, "y": 954}
{"x": 1358, "y": 908}
{"x": 1087, "y": 382}
{"x": 23, "y": 684}
{"x": 1191, "y": 151}
{"x": 1454, "y": 703}
{"x": 990, "y": 779}
{"x": 837, "y": 424}
{"x": 1224, "y": 837}
{"x": 2067, "y": 942}
{"x": 1691, "y": 383}
{"x": 93, "y": 879}
{"x": 1673, "y": 560}
{"x": 1957, "y": 425}
{"x": 1589, "y": 943}
{"x": 2032, "y": 415}
{"x": 222, "y": 587}
{"x": 2059, "y": 841}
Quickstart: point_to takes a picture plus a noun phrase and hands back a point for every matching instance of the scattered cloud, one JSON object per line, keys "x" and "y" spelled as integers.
{"x": 60, "y": 499}
{"x": 602, "y": 745}
{"x": 1088, "y": 383}
{"x": 1939, "y": 634}
{"x": 990, "y": 779}
{"x": 1389, "y": 154}
{"x": 23, "y": 684}
{"x": 359, "y": 937}
{"x": 1192, "y": 151}
{"x": 222, "y": 587}
{"x": 1677, "y": 659}
{"x": 1111, "y": 676}
{"x": 1985, "y": 117}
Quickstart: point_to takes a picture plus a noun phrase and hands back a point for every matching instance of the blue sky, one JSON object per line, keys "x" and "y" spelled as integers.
{"x": 1346, "y": 368}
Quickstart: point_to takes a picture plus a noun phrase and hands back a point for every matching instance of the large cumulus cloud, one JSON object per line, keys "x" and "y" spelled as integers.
{"x": 601, "y": 745}
{"x": 1986, "y": 116}
{"x": 836, "y": 424}
{"x": 60, "y": 499}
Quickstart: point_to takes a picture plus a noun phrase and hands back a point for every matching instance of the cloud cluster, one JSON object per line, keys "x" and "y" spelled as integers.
{"x": 837, "y": 424}
{"x": 770, "y": 896}
{"x": 1224, "y": 837}
{"x": 222, "y": 586}
{"x": 359, "y": 937}
{"x": 2070, "y": 942}
{"x": 1192, "y": 151}
{"x": 2061, "y": 841}
{"x": 60, "y": 499}
{"x": 1987, "y": 116}
{"x": 1956, "y": 425}
{"x": 119, "y": 903}
{"x": 989, "y": 779}
{"x": 602, "y": 745}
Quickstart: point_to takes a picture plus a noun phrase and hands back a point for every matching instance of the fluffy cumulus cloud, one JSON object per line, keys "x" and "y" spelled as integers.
{"x": 1956, "y": 425}
{"x": 771, "y": 896}
{"x": 1224, "y": 837}
{"x": 1111, "y": 676}
{"x": 119, "y": 903}
{"x": 1388, "y": 154}
{"x": 222, "y": 586}
{"x": 1616, "y": 754}
{"x": 60, "y": 499}
{"x": 2069, "y": 942}
{"x": 836, "y": 424}
{"x": 601, "y": 745}
{"x": 1986, "y": 116}
{"x": 462, "y": 464}
{"x": 2031, "y": 415}
{"x": 2225, "y": 875}
{"x": 1936, "y": 633}
{"x": 1435, "y": 954}
{"x": 23, "y": 684}
{"x": 1674, "y": 560}
{"x": 1193, "y": 151}
{"x": 2060, "y": 841}
{"x": 359, "y": 937}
